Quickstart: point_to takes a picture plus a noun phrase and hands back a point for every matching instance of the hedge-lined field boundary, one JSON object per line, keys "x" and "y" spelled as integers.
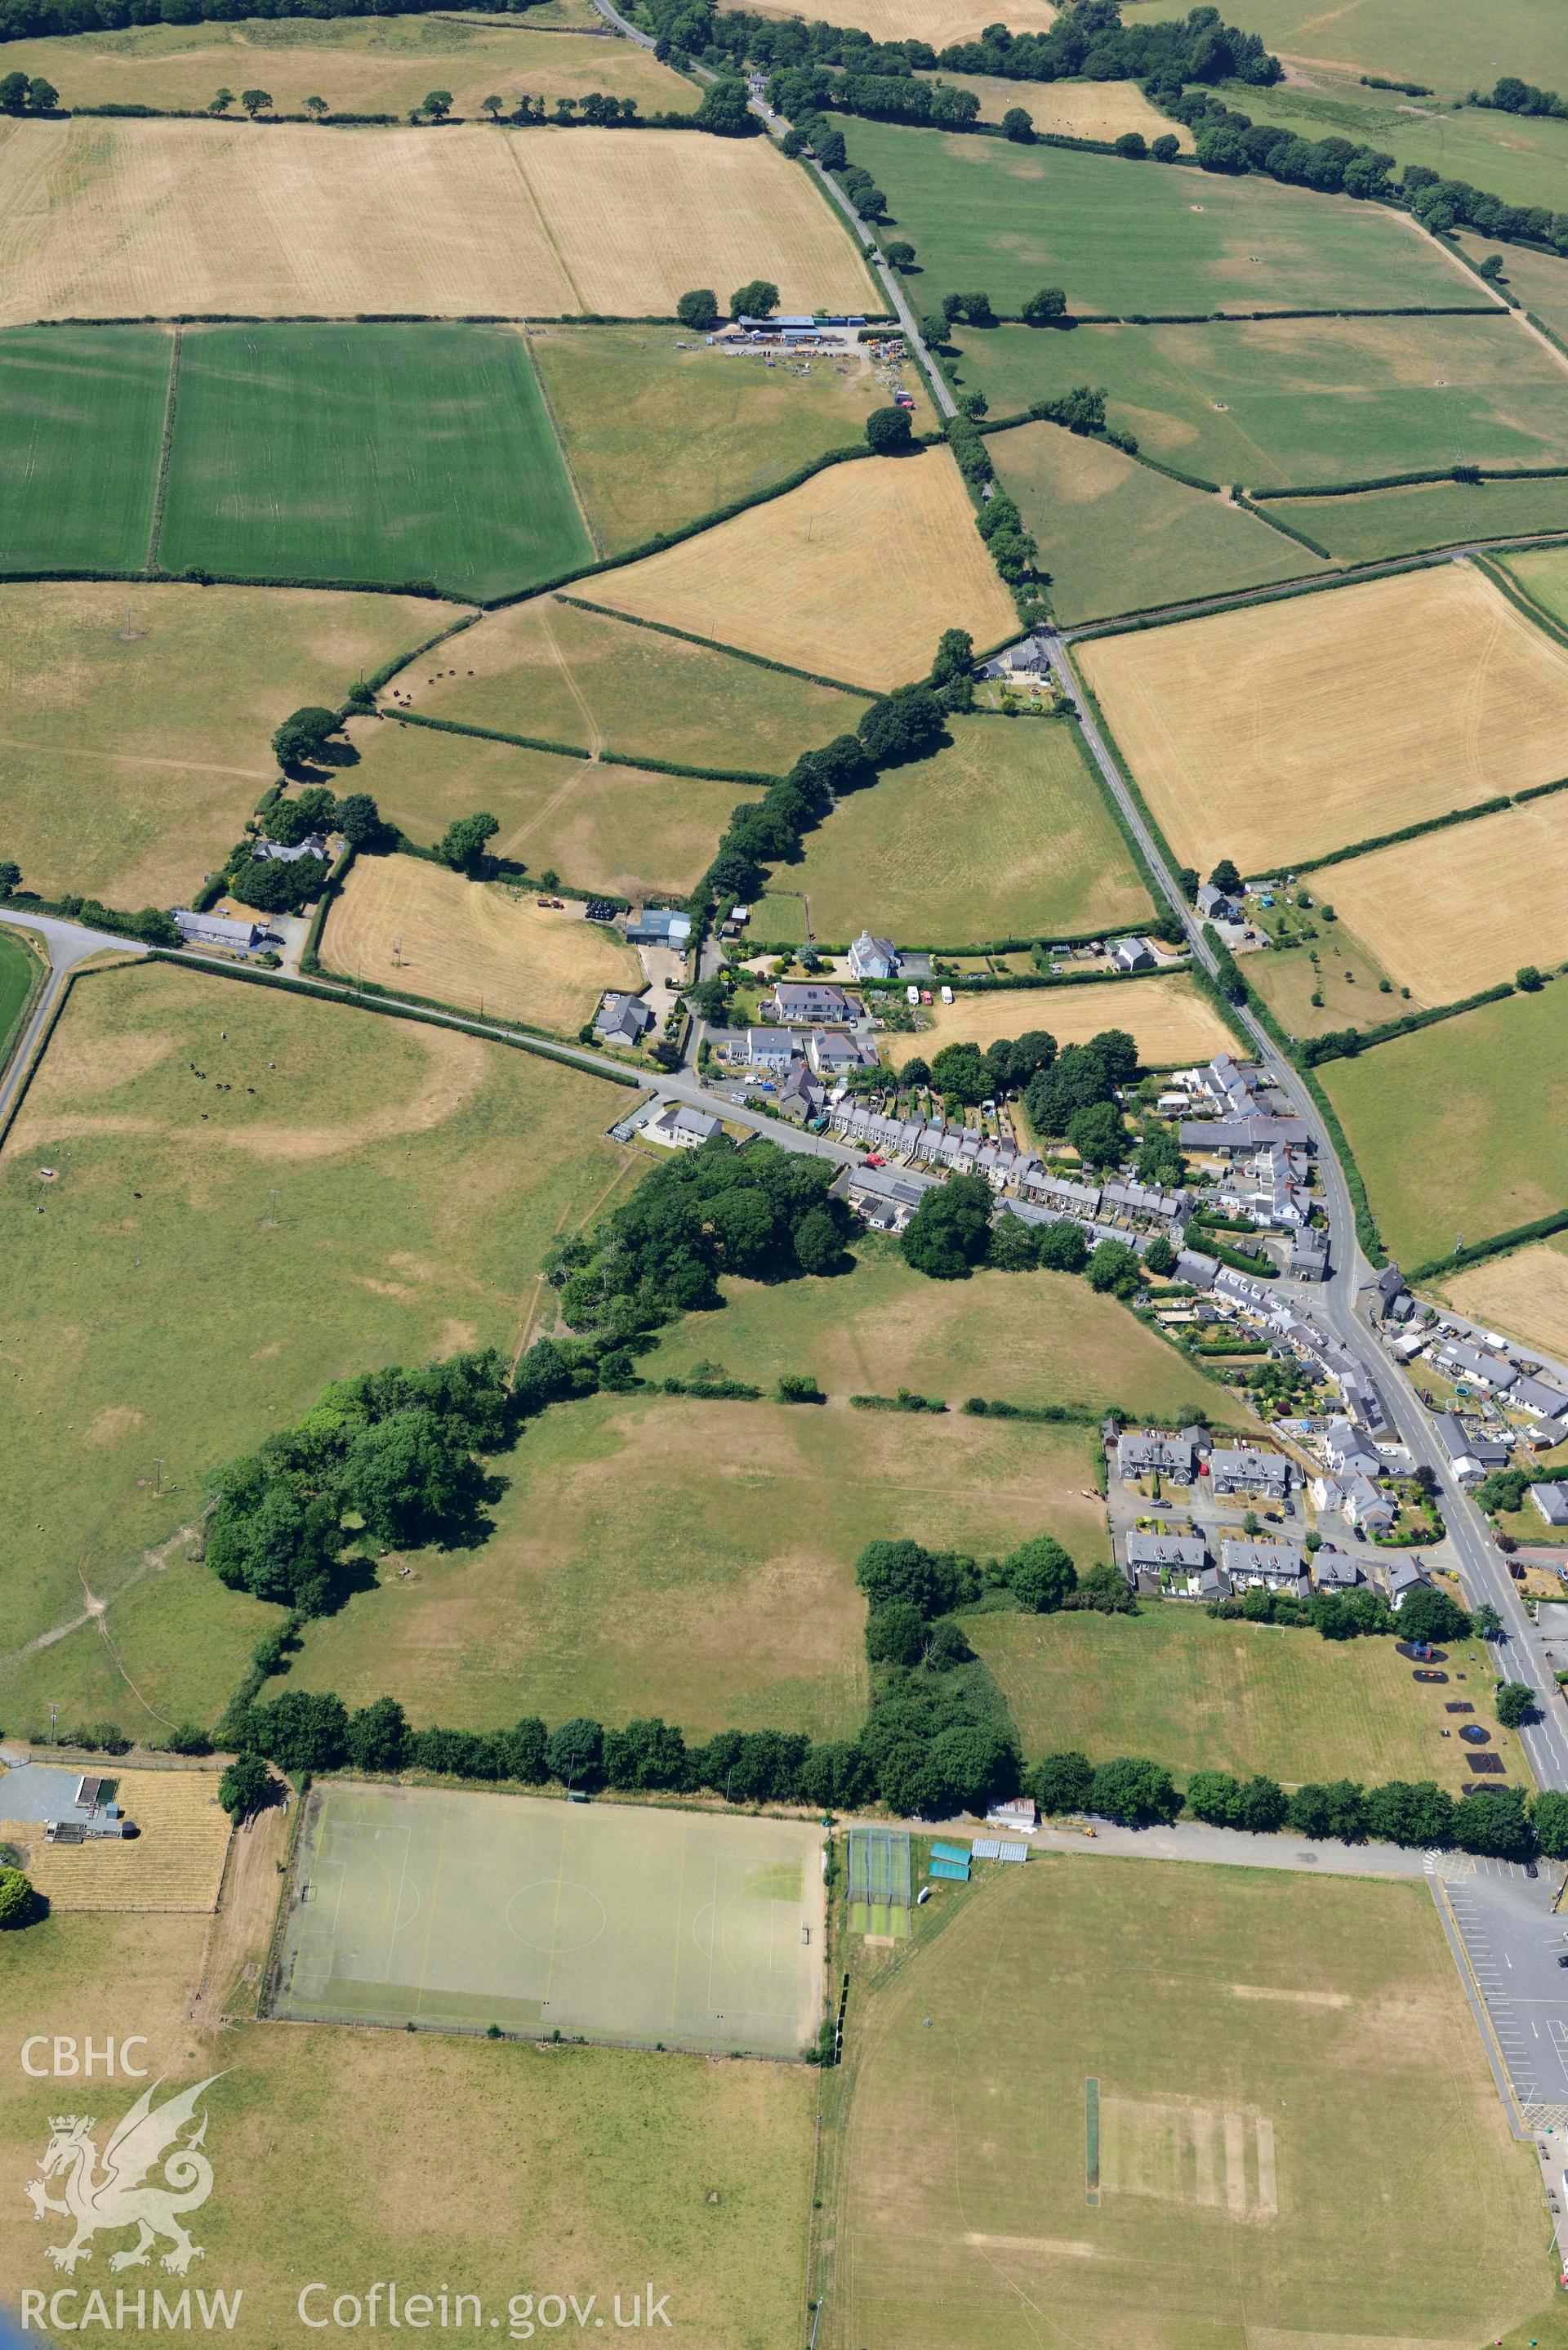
{"x": 1522, "y": 599}
{"x": 714, "y": 645}
{"x": 1461, "y": 476}
{"x": 577, "y": 751}
{"x": 1355, "y": 848}
{"x": 1286, "y": 530}
{"x": 1209, "y": 608}
{"x": 1500, "y": 1244}
{"x": 1348, "y": 1045}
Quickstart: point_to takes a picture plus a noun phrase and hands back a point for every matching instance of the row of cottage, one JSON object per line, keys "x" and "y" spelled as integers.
{"x": 960, "y": 1148}
{"x": 1180, "y": 1566}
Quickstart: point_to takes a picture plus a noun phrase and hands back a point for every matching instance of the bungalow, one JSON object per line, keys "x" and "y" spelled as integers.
{"x": 1551, "y": 1502}
{"x": 1133, "y": 954}
{"x": 679, "y": 1127}
{"x": 1540, "y": 1397}
{"x": 1264, "y": 1565}
{"x": 808, "y": 1000}
{"x": 1251, "y": 1132}
{"x": 218, "y": 931}
{"x": 658, "y": 926}
{"x": 1247, "y": 1470}
{"x": 622, "y": 1020}
{"x": 1483, "y": 1370}
{"x": 275, "y": 852}
{"x": 1142, "y": 1456}
{"x": 872, "y": 958}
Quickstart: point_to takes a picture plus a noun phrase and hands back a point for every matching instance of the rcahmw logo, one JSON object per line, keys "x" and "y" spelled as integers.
{"x": 151, "y": 2176}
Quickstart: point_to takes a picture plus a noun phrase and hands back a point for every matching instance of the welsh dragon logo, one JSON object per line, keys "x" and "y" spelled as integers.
{"x": 115, "y": 2196}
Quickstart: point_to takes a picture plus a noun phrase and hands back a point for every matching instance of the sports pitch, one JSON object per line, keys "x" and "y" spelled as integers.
{"x": 640, "y": 1927}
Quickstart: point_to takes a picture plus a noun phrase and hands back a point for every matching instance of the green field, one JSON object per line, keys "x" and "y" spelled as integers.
{"x": 659, "y": 1555}
{"x": 358, "y": 2156}
{"x": 1543, "y": 576}
{"x": 600, "y": 827}
{"x": 640, "y": 1927}
{"x": 1283, "y": 2072}
{"x": 376, "y": 454}
{"x": 136, "y": 719}
{"x": 1344, "y": 975}
{"x": 1521, "y": 158}
{"x": 1125, "y": 238}
{"x": 1202, "y": 1694}
{"x": 592, "y": 679}
{"x": 1282, "y": 403}
{"x": 1003, "y": 835}
{"x": 659, "y": 428}
{"x": 1461, "y": 1129}
{"x": 1044, "y": 1338}
{"x": 1439, "y": 514}
{"x": 19, "y": 969}
{"x": 81, "y": 423}
{"x": 1537, "y": 281}
{"x": 1450, "y": 47}
{"x": 382, "y": 1196}
{"x": 1115, "y": 536}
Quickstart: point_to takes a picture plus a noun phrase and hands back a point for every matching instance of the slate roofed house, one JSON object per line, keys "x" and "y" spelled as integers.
{"x": 872, "y": 958}
{"x": 1481, "y": 1370}
{"x": 1552, "y": 1503}
{"x": 1214, "y": 905}
{"x": 275, "y": 852}
{"x": 1538, "y": 1397}
{"x": 658, "y": 926}
{"x": 218, "y": 931}
{"x": 770, "y": 1048}
{"x": 885, "y": 1197}
{"x": 1459, "y": 1445}
{"x": 1148, "y": 1553}
{"x": 1400, "y": 1577}
{"x": 1365, "y": 1506}
{"x": 1247, "y": 1470}
{"x": 680, "y": 1127}
{"x": 832, "y": 1053}
{"x": 1133, "y": 954}
{"x": 1345, "y": 1448}
{"x": 622, "y": 1019}
{"x": 1268, "y": 1565}
{"x": 1309, "y": 1254}
{"x": 1335, "y": 1570}
{"x": 1153, "y": 1450}
{"x": 802, "y": 1096}
{"x": 809, "y": 998}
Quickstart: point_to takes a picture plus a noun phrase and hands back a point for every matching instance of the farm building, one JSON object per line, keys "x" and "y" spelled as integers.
{"x": 658, "y": 926}
{"x": 218, "y": 931}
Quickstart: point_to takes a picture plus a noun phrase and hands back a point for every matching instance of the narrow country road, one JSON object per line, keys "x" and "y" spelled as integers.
{"x": 68, "y": 945}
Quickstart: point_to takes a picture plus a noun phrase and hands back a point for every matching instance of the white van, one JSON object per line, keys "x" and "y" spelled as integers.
{"x": 911, "y": 995}
{"x": 947, "y": 995}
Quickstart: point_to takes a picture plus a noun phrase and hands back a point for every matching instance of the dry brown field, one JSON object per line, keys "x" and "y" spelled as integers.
{"x": 176, "y": 1862}
{"x": 410, "y": 924}
{"x": 936, "y": 21}
{"x": 853, "y": 577}
{"x": 1525, "y": 1296}
{"x": 1460, "y": 910}
{"x": 600, "y": 827}
{"x": 135, "y": 721}
{"x": 1299, "y": 726}
{"x": 1072, "y": 109}
{"x": 1172, "y": 1022}
{"x": 118, "y": 219}
{"x": 359, "y": 64}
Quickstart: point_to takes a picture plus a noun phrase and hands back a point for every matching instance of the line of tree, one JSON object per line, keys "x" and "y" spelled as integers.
{"x": 1509, "y": 95}
{"x": 1231, "y": 142}
{"x": 999, "y": 524}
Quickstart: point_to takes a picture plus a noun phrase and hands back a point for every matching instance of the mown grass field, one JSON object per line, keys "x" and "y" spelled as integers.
{"x": 359, "y": 65}
{"x": 1204, "y": 1695}
{"x": 1039, "y": 1338}
{"x": 1463, "y": 1128}
{"x": 1525, "y": 1295}
{"x": 1277, "y": 403}
{"x": 1292, "y": 728}
{"x": 657, "y": 1555}
{"x": 1123, "y": 237}
{"x": 1450, "y": 49}
{"x": 600, "y": 827}
{"x": 19, "y": 970}
{"x": 136, "y": 721}
{"x": 408, "y": 924}
{"x": 1423, "y": 908}
{"x": 562, "y": 674}
{"x": 206, "y": 1261}
{"x": 853, "y": 577}
{"x": 1543, "y": 573}
{"x": 81, "y": 421}
{"x": 1115, "y": 536}
{"x": 659, "y": 428}
{"x": 1444, "y": 513}
{"x": 1521, "y": 158}
{"x": 1172, "y": 1021}
{"x": 1283, "y": 2068}
{"x": 148, "y": 219}
{"x": 1002, "y": 835}
{"x": 615, "y": 2165}
{"x": 375, "y": 453}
